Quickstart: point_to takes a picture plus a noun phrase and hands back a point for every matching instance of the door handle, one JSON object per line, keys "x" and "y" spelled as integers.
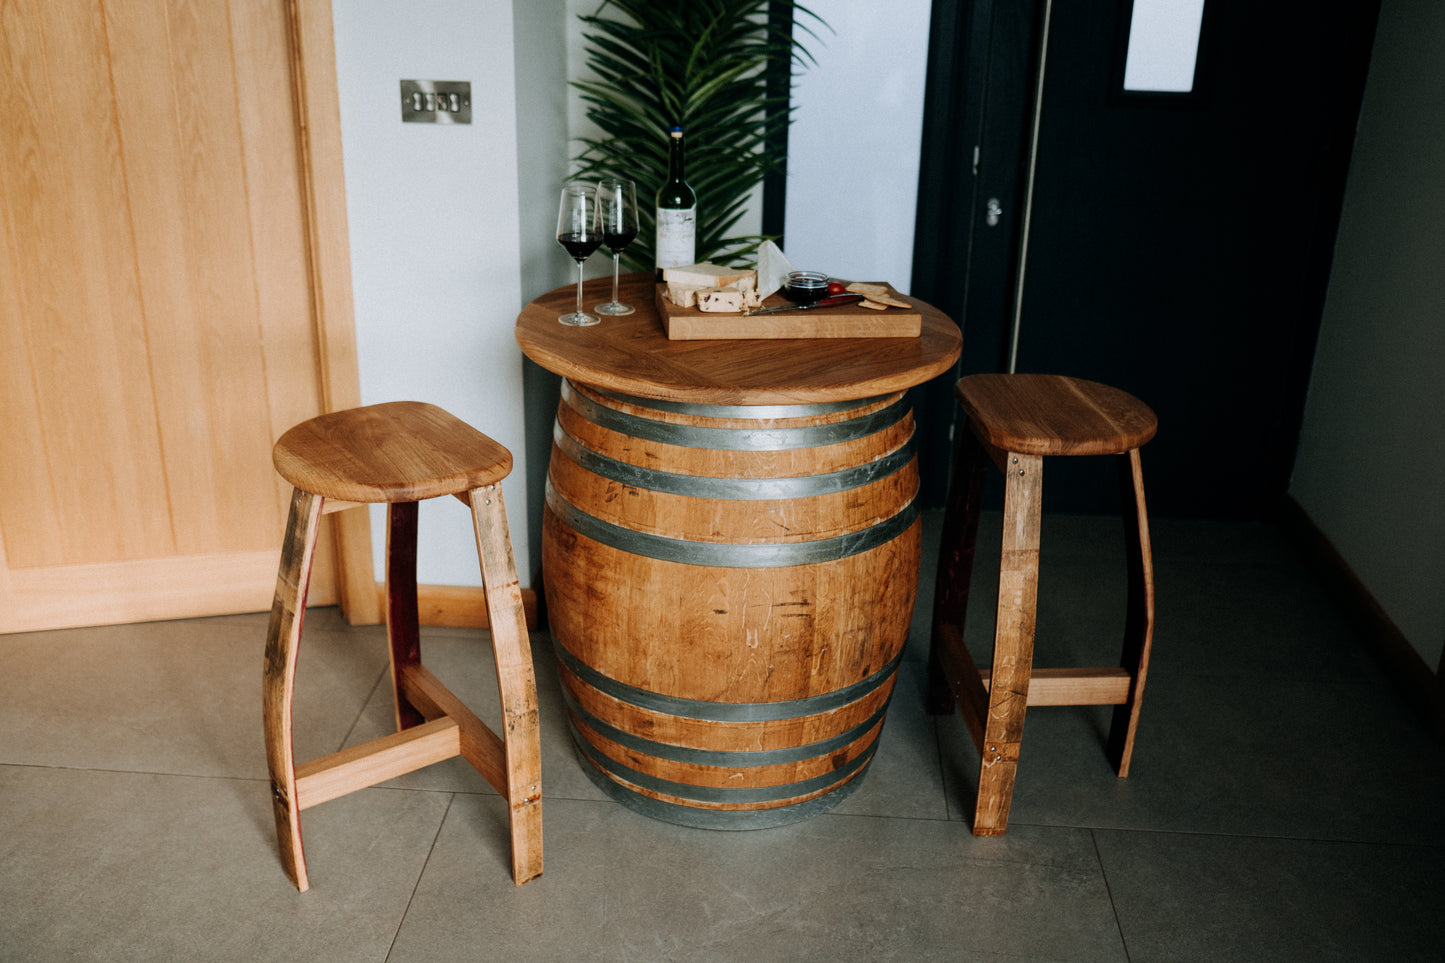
{"x": 992, "y": 212}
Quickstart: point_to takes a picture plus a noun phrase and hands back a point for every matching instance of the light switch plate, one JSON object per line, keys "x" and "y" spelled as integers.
{"x": 436, "y": 101}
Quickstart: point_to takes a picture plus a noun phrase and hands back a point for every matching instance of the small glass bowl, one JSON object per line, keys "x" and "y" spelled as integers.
{"x": 805, "y": 287}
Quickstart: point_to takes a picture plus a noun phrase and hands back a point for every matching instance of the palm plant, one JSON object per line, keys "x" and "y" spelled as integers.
{"x": 703, "y": 64}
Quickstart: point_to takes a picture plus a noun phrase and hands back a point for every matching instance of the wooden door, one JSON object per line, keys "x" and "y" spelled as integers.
{"x": 174, "y": 294}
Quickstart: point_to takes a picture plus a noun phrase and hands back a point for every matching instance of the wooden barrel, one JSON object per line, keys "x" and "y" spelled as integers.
{"x": 729, "y": 590}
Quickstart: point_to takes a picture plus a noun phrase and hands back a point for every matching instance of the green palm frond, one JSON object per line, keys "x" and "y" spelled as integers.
{"x": 702, "y": 64}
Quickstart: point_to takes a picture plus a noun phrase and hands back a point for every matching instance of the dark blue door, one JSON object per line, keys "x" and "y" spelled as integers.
{"x": 1177, "y": 246}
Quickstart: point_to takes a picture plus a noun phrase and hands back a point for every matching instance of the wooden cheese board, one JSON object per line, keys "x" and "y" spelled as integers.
{"x": 844, "y": 321}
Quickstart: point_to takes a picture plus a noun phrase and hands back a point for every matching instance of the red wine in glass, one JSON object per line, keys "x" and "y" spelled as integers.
{"x": 580, "y": 233}
{"x": 617, "y": 243}
{"x": 617, "y": 213}
{"x": 580, "y": 246}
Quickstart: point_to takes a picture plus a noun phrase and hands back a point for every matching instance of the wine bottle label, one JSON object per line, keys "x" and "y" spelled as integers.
{"x": 676, "y": 237}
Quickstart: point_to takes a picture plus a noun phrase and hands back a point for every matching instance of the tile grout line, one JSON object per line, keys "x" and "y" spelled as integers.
{"x": 411, "y": 898}
{"x": 1224, "y": 834}
{"x": 938, "y": 760}
{"x": 1109, "y": 891}
{"x": 361, "y": 712}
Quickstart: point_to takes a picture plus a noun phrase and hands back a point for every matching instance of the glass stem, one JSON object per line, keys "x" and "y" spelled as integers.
{"x": 614, "y": 278}
{"x": 579, "y": 288}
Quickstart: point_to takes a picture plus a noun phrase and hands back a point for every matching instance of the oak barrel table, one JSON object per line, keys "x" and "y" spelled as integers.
{"x": 730, "y": 555}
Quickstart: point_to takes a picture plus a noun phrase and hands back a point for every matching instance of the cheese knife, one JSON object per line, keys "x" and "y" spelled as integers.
{"x": 833, "y": 301}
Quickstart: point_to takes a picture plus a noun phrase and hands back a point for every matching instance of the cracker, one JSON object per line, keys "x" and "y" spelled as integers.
{"x": 880, "y": 294}
{"x": 891, "y": 302}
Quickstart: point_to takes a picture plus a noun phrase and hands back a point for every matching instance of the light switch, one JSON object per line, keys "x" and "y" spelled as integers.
{"x": 436, "y": 101}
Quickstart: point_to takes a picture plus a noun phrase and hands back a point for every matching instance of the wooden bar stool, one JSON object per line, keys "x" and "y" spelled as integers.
{"x": 1015, "y": 421}
{"x": 400, "y": 453}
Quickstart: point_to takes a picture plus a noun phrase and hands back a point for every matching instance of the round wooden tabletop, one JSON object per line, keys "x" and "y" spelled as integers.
{"x": 632, "y": 355}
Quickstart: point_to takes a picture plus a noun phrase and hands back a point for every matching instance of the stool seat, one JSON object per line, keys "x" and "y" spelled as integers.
{"x": 1041, "y": 414}
{"x": 399, "y": 451}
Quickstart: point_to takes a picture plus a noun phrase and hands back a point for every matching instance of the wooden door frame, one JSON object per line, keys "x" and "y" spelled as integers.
{"x": 323, "y": 190}
{"x": 962, "y": 115}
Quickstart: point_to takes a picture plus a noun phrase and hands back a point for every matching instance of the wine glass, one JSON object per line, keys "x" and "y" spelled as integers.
{"x": 617, "y": 210}
{"x": 580, "y": 233}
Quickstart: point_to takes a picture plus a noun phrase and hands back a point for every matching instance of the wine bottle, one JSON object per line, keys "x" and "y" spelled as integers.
{"x": 676, "y": 211}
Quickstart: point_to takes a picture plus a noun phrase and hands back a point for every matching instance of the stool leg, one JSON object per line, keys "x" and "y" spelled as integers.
{"x": 278, "y": 682}
{"x": 1139, "y": 622}
{"x": 1013, "y": 645}
{"x": 403, "y": 629}
{"x": 955, "y": 562}
{"x": 515, "y": 680}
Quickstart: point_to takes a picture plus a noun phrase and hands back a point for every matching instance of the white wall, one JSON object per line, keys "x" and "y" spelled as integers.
{"x": 434, "y": 223}
{"x": 543, "y": 154}
{"x": 853, "y": 148}
{"x": 1370, "y": 471}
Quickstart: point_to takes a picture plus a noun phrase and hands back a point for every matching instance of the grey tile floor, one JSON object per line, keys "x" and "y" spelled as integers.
{"x": 1283, "y": 804}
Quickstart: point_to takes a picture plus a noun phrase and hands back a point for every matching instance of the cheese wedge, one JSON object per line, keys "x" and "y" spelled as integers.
{"x": 704, "y": 275}
{"x": 684, "y": 295}
{"x": 720, "y": 301}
